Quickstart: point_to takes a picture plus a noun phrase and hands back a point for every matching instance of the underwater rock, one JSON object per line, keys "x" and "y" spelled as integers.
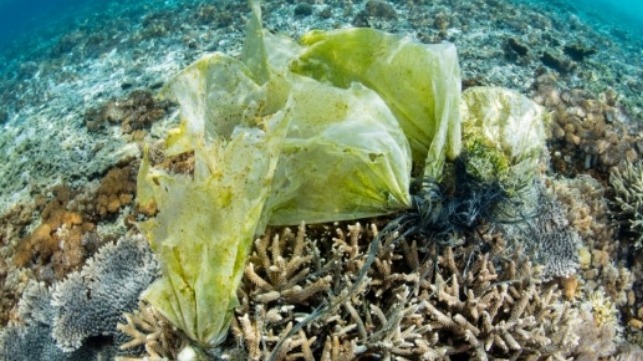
{"x": 376, "y": 14}
{"x": 557, "y": 62}
{"x": 220, "y": 15}
{"x": 380, "y": 9}
{"x": 326, "y": 12}
{"x": 441, "y": 21}
{"x": 517, "y": 47}
{"x": 578, "y": 52}
{"x": 303, "y": 10}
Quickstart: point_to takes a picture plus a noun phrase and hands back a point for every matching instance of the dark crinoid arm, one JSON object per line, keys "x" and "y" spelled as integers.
{"x": 442, "y": 210}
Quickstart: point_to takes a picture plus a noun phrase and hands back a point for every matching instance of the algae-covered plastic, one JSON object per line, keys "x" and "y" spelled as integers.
{"x": 269, "y": 146}
{"x": 344, "y": 157}
{"x": 206, "y": 222}
{"x": 420, "y": 83}
{"x": 503, "y": 135}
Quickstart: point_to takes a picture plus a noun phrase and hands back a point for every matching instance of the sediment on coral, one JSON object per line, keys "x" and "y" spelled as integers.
{"x": 543, "y": 229}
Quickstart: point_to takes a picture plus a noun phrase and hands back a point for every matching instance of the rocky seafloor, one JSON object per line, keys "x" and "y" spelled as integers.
{"x": 77, "y": 101}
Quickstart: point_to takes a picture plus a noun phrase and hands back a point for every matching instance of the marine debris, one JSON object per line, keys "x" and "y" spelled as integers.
{"x": 485, "y": 255}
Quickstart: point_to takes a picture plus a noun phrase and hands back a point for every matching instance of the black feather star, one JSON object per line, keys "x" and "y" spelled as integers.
{"x": 439, "y": 212}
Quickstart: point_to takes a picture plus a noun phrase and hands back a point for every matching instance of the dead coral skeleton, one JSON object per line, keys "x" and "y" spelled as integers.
{"x": 418, "y": 301}
{"x": 147, "y": 328}
{"x": 281, "y": 278}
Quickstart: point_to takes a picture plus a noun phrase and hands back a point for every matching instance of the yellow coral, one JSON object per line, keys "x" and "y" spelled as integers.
{"x": 602, "y": 308}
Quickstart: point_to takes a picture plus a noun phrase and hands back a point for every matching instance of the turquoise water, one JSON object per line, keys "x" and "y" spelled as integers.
{"x": 20, "y": 17}
{"x": 630, "y": 12}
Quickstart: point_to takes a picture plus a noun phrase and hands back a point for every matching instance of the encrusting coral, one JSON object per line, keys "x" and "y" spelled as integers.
{"x": 588, "y": 211}
{"x": 115, "y": 191}
{"x": 589, "y": 134}
{"x": 55, "y": 245}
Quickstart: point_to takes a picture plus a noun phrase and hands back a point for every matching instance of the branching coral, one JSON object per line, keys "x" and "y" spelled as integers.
{"x": 627, "y": 183}
{"x": 416, "y": 302}
{"x": 148, "y": 328}
{"x": 276, "y": 278}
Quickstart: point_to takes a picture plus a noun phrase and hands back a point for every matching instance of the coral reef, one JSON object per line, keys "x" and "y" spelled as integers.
{"x": 12, "y": 225}
{"x": 70, "y": 321}
{"x": 593, "y": 93}
{"x": 55, "y": 246}
{"x": 148, "y": 328}
{"x": 62, "y": 228}
{"x": 135, "y": 112}
{"x": 586, "y": 209}
{"x": 115, "y": 191}
{"x": 90, "y": 303}
{"x": 589, "y": 132}
{"x": 32, "y": 340}
{"x": 543, "y": 229}
{"x": 417, "y": 302}
{"x": 58, "y": 244}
